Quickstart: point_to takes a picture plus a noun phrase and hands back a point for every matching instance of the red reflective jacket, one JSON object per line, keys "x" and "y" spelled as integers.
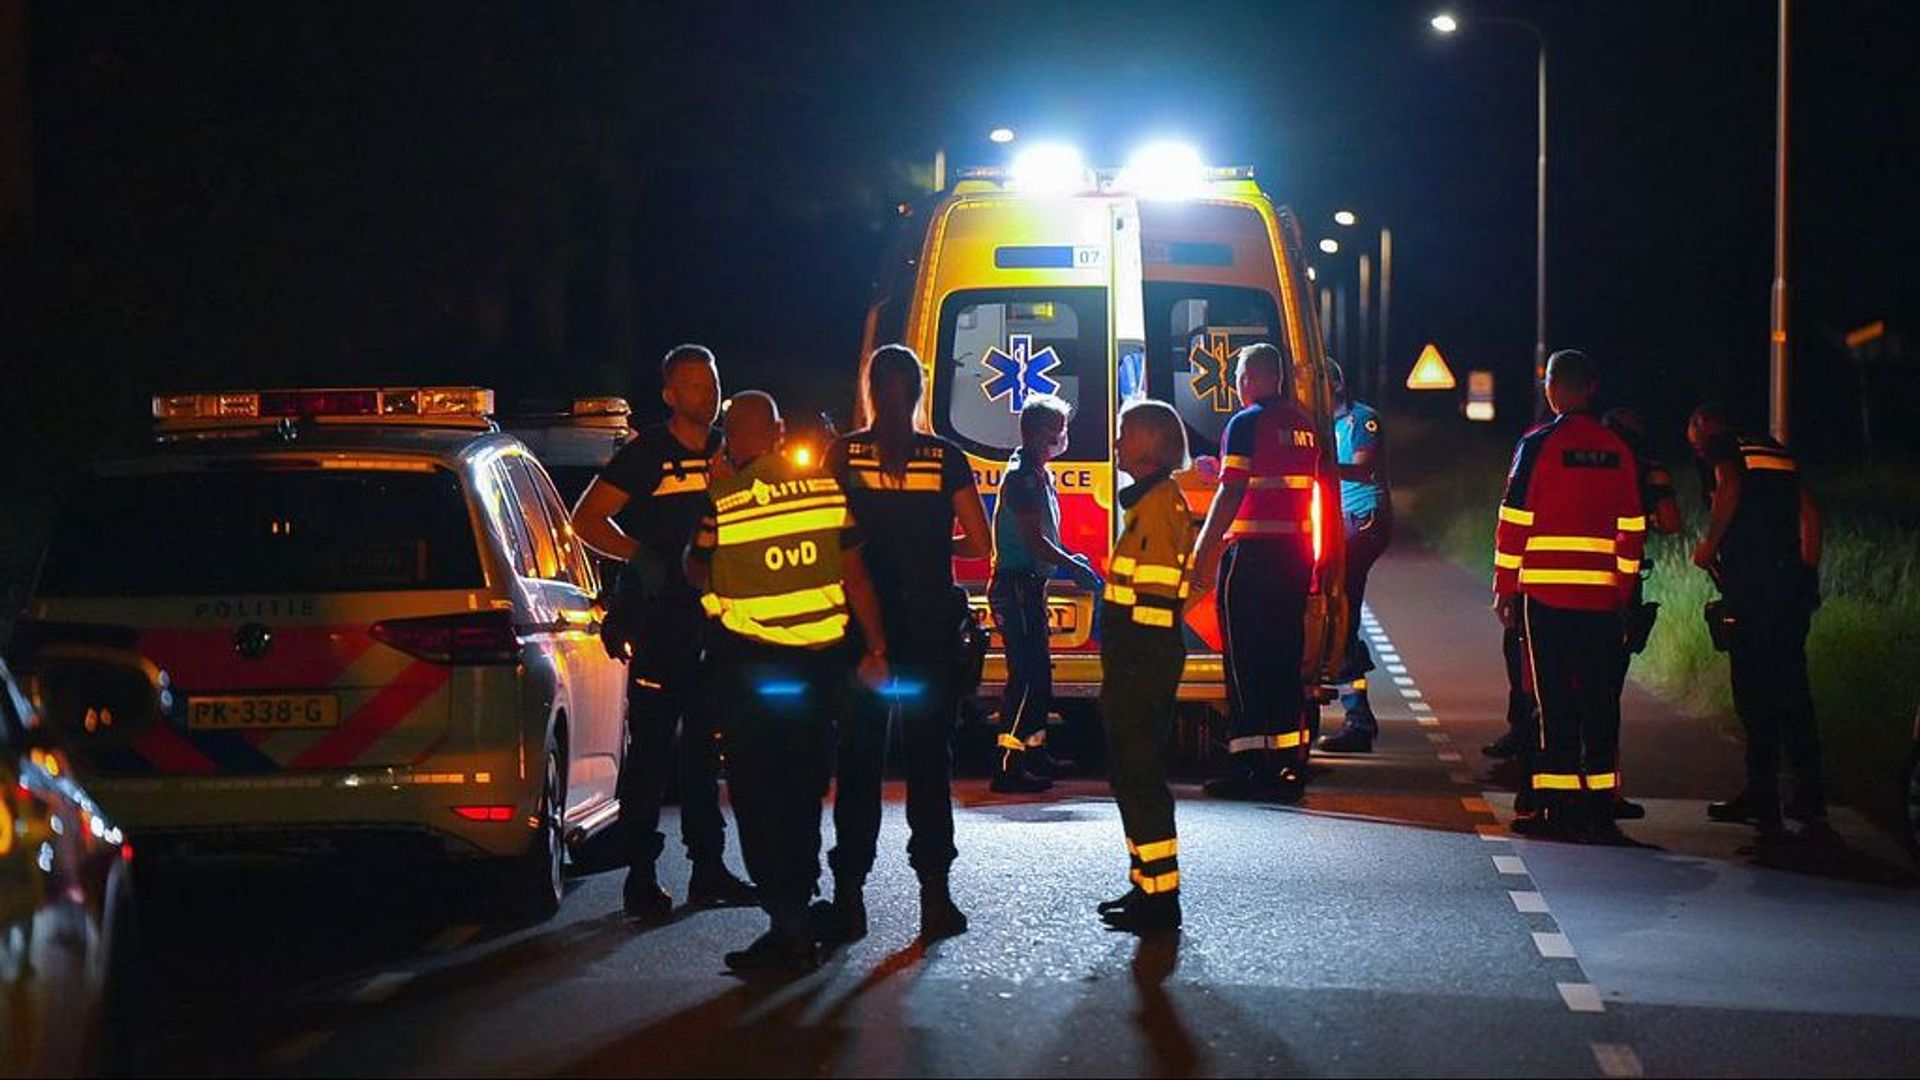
{"x": 1572, "y": 528}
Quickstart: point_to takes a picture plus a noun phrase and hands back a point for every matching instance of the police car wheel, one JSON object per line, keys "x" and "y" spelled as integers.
{"x": 535, "y": 881}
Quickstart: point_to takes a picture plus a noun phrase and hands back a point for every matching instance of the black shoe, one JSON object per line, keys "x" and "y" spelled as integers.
{"x": 715, "y": 887}
{"x": 1018, "y": 782}
{"x": 644, "y": 899}
{"x": 1154, "y": 914}
{"x": 1546, "y": 825}
{"x": 1290, "y": 786}
{"x": 1506, "y": 746}
{"x": 1044, "y": 764}
{"x": 1348, "y": 741}
{"x": 841, "y": 920}
{"x": 1738, "y": 810}
{"x": 940, "y": 917}
{"x": 770, "y": 952}
{"x": 1628, "y": 810}
{"x": 1107, "y": 907}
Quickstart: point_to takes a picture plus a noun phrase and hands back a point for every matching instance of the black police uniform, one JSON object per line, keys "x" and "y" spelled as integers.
{"x": 659, "y": 612}
{"x": 1772, "y": 593}
{"x": 907, "y": 521}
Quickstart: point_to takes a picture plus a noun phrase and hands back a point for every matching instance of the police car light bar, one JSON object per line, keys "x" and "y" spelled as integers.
{"x": 396, "y": 403}
{"x": 1108, "y": 179}
{"x": 601, "y": 406}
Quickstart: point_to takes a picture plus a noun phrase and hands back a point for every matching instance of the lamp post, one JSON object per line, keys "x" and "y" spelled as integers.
{"x": 1373, "y": 335}
{"x": 1445, "y": 23}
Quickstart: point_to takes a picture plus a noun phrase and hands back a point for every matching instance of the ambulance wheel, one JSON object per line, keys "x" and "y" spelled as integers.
{"x": 535, "y": 882}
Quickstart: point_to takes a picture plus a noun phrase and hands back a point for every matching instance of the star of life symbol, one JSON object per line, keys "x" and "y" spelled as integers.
{"x": 1212, "y": 374}
{"x": 1019, "y": 371}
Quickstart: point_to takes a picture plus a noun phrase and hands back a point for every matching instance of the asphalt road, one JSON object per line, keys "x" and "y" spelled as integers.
{"x": 1389, "y": 924}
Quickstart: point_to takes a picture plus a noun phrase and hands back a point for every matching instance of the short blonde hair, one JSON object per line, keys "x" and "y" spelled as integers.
{"x": 1167, "y": 431}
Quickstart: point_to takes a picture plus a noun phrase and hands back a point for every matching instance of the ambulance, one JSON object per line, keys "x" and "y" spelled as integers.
{"x": 375, "y": 627}
{"x": 1100, "y": 287}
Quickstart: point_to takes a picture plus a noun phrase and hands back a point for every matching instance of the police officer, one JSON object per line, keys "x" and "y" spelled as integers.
{"x": 1142, "y": 653}
{"x": 642, "y": 510}
{"x": 778, "y": 557}
{"x": 1763, "y": 544}
{"x": 1567, "y": 553}
{"x": 907, "y": 489}
{"x": 1367, "y": 509}
{"x": 1257, "y": 545}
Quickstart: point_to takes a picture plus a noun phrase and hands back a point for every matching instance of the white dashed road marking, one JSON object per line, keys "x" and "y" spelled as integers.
{"x": 1553, "y": 946}
{"x": 1510, "y": 864}
{"x": 1580, "y": 997}
{"x": 1529, "y": 902}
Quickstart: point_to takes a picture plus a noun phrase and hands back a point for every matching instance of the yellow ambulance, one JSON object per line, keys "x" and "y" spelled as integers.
{"x": 1103, "y": 286}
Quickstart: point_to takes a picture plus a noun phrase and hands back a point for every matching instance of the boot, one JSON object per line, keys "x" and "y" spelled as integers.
{"x": 715, "y": 886}
{"x": 1157, "y": 913}
{"x": 940, "y": 917}
{"x": 1108, "y": 907}
{"x": 843, "y": 919}
{"x": 773, "y": 951}
{"x": 1349, "y": 740}
{"x": 643, "y": 898}
{"x": 1018, "y": 781}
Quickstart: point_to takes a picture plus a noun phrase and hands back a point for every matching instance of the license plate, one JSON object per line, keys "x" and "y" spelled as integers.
{"x": 254, "y": 712}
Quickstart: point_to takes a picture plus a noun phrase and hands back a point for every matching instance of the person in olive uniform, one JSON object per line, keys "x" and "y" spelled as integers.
{"x": 1143, "y": 651}
{"x": 642, "y": 510}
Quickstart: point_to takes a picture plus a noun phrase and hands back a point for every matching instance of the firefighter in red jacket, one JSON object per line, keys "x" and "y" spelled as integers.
{"x": 1567, "y": 556}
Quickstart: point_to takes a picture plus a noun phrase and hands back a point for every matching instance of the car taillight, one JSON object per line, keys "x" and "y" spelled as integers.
{"x": 480, "y": 637}
{"x": 485, "y": 813}
{"x": 1319, "y": 517}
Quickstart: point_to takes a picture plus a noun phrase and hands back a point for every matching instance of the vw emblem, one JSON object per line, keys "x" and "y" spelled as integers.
{"x": 252, "y": 640}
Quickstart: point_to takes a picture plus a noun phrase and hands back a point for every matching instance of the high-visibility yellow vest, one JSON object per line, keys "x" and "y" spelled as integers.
{"x": 774, "y": 538}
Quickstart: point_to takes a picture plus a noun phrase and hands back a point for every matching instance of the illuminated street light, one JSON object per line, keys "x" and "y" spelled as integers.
{"x": 1448, "y": 24}
{"x": 1345, "y": 217}
{"x": 1311, "y": 276}
{"x": 1001, "y": 135}
{"x": 1330, "y": 246}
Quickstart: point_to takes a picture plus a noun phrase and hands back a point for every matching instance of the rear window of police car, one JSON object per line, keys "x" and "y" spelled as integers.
{"x": 263, "y": 530}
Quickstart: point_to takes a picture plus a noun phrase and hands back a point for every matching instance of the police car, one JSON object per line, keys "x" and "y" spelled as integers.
{"x": 377, "y": 626}
{"x": 574, "y": 443}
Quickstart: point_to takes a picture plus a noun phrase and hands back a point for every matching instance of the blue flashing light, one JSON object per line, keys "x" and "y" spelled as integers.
{"x": 782, "y": 688}
{"x": 903, "y": 689}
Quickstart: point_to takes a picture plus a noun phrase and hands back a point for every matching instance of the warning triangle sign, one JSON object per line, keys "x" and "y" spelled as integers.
{"x": 1430, "y": 372}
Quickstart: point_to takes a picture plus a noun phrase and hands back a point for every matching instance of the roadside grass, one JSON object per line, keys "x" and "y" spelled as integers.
{"x": 1865, "y": 638}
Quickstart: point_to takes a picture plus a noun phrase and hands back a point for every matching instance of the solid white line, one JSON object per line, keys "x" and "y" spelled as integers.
{"x": 381, "y": 987}
{"x": 296, "y": 1048}
{"x": 1580, "y": 997}
{"x": 1532, "y": 903}
{"x": 1617, "y": 1060}
{"x": 1451, "y": 757}
{"x": 1553, "y": 946}
{"x": 1510, "y": 864}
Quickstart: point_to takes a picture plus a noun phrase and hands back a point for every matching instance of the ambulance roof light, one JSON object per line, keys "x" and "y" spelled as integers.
{"x": 1165, "y": 170}
{"x": 366, "y": 404}
{"x": 1051, "y": 169}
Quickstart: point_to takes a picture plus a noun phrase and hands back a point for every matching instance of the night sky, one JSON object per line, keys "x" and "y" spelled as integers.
{"x": 544, "y": 198}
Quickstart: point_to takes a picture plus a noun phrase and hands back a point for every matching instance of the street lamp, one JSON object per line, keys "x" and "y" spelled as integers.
{"x": 1345, "y": 217}
{"x": 1447, "y": 23}
{"x": 1330, "y": 246}
{"x": 1001, "y": 135}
